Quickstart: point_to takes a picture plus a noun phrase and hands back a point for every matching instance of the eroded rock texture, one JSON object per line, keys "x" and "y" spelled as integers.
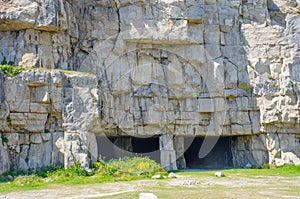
{"x": 165, "y": 68}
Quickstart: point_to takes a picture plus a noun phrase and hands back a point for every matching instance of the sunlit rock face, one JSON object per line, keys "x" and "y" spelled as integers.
{"x": 163, "y": 70}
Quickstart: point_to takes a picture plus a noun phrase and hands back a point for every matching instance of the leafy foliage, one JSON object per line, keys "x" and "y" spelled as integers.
{"x": 136, "y": 166}
{"x": 8, "y": 119}
{"x": 9, "y": 69}
{"x": 270, "y": 77}
{"x": 100, "y": 171}
{"x": 4, "y": 139}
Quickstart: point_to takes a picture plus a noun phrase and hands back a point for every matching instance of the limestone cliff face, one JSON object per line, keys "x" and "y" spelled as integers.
{"x": 167, "y": 68}
{"x": 37, "y": 108}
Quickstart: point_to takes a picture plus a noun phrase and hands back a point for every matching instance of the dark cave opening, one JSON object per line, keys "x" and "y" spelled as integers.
{"x": 220, "y": 156}
{"x": 112, "y": 147}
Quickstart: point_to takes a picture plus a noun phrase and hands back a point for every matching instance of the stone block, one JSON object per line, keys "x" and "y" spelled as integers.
{"x": 195, "y": 53}
{"x": 195, "y": 14}
{"x": 174, "y": 12}
{"x": 166, "y": 142}
{"x": 35, "y": 122}
{"x": 46, "y": 136}
{"x": 238, "y": 129}
{"x": 168, "y": 160}
{"x": 239, "y": 117}
{"x": 231, "y": 75}
{"x": 17, "y": 95}
{"x": 257, "y": 142}
{"x": 24, "y": 139}
{"x": 39, "y": 155}
{"x": 212, "y": 51}
{"x": 212, "y": 35}
{"x": 219, "y": 104}
{"x": 4, "y": 157}
{"x": 13, "y": 140}
{"x": 40, "y": 94}
{"x": 39, "y": 108}
{"x": 255, "y": 121}
{"x": 205, "y": 105}
{"x": 243, "y": 103}
{"x": 18, "y": 119}
{"x": 36, "y": 138}
{"x": 195, "y": 33}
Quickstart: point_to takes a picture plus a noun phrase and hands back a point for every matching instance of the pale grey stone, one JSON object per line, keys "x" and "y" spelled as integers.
{"x": 147, "y": 196}
{"x": 219, "y": 174}
{"x": 36, "y": 138}
{"x": 159, "y": 68}
{"x": 4, "y": 157}
{"x": 172, "y": 175}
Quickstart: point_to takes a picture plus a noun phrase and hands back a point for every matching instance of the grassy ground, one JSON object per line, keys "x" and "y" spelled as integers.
{"x": 125, "y": 169}
{"x": 237, "y": 183}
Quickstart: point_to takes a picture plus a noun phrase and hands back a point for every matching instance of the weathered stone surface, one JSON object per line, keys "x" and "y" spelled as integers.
{"x": 164, "y": 68}
{"x": 38, "y": 143}
{"x": 5, "y": 162}
{"x": 26, "y": 14}
{"x": 287, "y": 158}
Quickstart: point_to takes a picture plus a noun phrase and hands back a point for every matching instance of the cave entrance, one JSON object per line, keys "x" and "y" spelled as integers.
{"x": 220, "y": 157}
{"x": 111, "y": 147}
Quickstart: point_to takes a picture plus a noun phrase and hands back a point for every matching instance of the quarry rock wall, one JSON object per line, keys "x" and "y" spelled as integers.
{"x": 155, "y": 68}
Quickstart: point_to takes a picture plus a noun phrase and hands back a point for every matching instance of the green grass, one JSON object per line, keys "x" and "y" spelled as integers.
{"x": 245, "y": 183}
{"x": 123, "y": 169}
{"x": 284, "y": 171}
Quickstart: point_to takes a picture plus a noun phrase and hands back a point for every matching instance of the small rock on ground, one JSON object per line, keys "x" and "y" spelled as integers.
{"x": 156, "y": 177}
{"x": 147, "y": 196}
{"x": 172, "y": 175}
{"x": 219, "y": 174}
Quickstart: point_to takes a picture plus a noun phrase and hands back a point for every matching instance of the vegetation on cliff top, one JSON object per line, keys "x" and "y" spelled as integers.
{"x": 9, "y": 69}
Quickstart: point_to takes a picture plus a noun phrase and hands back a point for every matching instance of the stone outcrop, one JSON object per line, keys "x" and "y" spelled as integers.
{"x": 4, "y": 163}
{"x": 168, "y": 69}
{"x": 36, "y": 113}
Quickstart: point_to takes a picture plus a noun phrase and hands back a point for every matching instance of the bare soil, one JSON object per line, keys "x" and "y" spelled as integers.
{"x": 184, "y": 186}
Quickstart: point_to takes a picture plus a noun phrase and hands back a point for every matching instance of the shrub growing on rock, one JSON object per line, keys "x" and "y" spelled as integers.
{"x": 11, "y": 70}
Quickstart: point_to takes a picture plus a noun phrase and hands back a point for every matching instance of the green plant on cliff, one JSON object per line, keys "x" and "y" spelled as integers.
{"x": 4, "y": 139}
{"x": 293, "y": 85}
{"x": 8, "y": 119}
{"x": 9, "y": 68}
{"x": 278, "y": 88}
{"x": 270, "y": 77}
